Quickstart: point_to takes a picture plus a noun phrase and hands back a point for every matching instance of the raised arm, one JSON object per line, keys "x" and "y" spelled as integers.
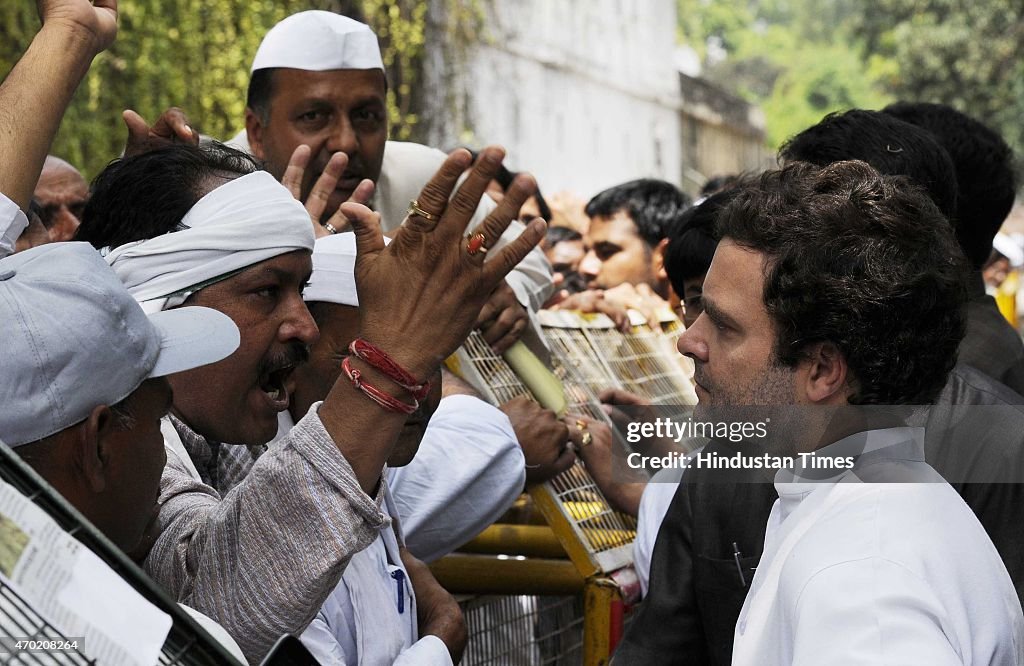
{"x": 36, "y": 93}
{"x": 420, "y": 296}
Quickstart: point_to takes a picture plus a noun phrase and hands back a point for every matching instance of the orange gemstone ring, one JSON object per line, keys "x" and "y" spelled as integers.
{"x": 476, "y": 244}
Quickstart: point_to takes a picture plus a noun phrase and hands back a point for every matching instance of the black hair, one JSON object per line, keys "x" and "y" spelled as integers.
{"x": 862, "y": 261}
{"x": 261, "y": 89}
{"x": 556, "y": 235}
{"x": 984, "y": 172}
{"x": 654, "y": 206}
{"x": 718, "y": 183}
{"x": 141, "y": 197}
{"x": 692, "y": 246}
{"x": 892, "y": 147}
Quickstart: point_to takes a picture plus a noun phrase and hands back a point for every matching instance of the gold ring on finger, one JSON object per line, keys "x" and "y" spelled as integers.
{"x": 581, "y": 425}
{"x": 414, "y": 209}
{"x": 587, "y": 440}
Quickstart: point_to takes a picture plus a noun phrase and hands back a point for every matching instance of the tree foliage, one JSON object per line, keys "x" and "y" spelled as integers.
{"x": 800, "y": 59}
{"x": 196, "y": 54}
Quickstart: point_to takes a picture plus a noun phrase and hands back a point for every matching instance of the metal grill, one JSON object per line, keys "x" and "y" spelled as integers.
{"x": 642, "y": 360}
{"x": 606, "y": 534}
{"x": 564, "y": 333}
{"x": 186, "y": 644}
{"x": 477, "y": 363}
{"x": 517, "y": 630}
{"x": 18, "y": 618}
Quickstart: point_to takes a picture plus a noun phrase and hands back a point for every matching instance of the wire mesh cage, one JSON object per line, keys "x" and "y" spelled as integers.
{"x": 186, "y": 643}
{"x": 522, "y": 629}
{"x": 642, "y": 360}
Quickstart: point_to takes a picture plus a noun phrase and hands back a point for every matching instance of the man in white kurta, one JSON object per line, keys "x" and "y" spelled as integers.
{"x": 834, "y": 294}
{"x": 883, "y": 563}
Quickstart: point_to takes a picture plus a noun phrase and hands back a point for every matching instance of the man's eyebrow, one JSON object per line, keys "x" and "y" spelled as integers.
{"x": 713, "y": 311}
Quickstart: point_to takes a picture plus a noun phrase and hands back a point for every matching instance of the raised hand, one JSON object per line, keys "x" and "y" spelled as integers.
{"x": 171, "y": 127}
{"x": 320, "y": 194}
{"x": 97, "y": 19}
{"x": 421, "y": 295}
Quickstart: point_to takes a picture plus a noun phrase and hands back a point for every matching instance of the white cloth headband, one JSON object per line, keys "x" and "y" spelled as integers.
{"x": 243, "y": 222}
{"x": 317, "y": 41}
{"x": 334, "y": 263}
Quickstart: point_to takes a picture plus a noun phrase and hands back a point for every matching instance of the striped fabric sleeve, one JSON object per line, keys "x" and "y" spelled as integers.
{"x": 262, "y": 559}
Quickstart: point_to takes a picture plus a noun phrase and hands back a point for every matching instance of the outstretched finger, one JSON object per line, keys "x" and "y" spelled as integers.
{"x": 363, "y": 192}
{"x": 509, "y": 257}
{"x": 491, "y": 229}
{"x": 316, "y": 202}
{"x": 296, "y": 169}
{"x": 173, "y": 125}
{"x": 366, "y": 225}
{"x": 464, "y": 204}
{"x": 433, "y": 198}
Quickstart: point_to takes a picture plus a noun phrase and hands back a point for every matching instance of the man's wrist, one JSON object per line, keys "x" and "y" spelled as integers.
{"x": 75, "y": 39}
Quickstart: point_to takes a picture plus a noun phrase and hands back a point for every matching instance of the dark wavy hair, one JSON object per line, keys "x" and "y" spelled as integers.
{"x": 141, "y": 197}
{"x": 693, "y": 243}
{"x": 985, "y": 172}
{"x": 863, "y": 261}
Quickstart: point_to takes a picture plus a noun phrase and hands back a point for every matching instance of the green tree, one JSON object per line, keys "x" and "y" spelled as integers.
{"x": 195, "y": 54}
{"x": 969, "y": 55}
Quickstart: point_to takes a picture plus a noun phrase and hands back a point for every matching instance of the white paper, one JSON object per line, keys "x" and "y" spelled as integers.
{"x": 73, "y": 589}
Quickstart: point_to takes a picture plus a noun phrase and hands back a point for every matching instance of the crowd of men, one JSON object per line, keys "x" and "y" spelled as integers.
{"x": 229, "y": 358}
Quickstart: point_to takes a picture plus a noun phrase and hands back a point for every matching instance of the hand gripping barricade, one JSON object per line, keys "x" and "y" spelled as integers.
{"x": 553, "y": 582}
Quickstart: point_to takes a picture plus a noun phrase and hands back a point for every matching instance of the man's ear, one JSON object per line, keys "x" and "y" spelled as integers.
{"x": 92, "y": 442}
{"x": 658, "y": 259}
{"x": 827, "y": 378}
{"x": 254, "y": 133}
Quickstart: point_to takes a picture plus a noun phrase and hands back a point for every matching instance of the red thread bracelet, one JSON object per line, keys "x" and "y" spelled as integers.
{"x": 377, "y": 358}
{"x": 385, "y": 400}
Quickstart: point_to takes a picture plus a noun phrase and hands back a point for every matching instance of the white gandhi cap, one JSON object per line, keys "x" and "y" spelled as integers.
{"x": 317, "y": 41}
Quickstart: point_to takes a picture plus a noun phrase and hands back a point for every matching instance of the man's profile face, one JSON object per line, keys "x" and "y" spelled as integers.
{"x": 62, "y": 192}
{"x": 135, "y": 460}
{"x": 617, "y": 254}
{"x": 236, "y": 400}
{"x": 339, "y": 110}
{"x": 732, "y": 341}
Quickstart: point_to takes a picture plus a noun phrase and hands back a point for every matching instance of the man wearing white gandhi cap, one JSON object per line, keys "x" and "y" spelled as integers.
{"x": 200, "y": 226}
{"x": 318, "y": 80}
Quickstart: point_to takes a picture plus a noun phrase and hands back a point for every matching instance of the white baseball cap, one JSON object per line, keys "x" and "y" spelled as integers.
{"x": 74, "y": 338}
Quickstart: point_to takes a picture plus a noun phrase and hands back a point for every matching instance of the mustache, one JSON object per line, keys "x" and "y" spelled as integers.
{"x": 296, "y": 353}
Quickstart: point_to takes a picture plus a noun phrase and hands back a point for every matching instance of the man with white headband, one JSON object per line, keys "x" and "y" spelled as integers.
{"x": 263, "y": 558}
{"x": 318, "y": 80}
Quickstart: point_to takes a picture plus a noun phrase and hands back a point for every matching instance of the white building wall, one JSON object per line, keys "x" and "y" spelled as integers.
{"x": 582, "y": 93}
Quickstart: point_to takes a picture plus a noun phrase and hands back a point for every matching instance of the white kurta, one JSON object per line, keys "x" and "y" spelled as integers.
{"x": 654, "y": 505}
{"x": 370, "y": 617}
{"x": 12, "y": 223}
{"x": 878, "y": 573}
{"x": 406, "y": 168}
{"x": 468, "y": 471}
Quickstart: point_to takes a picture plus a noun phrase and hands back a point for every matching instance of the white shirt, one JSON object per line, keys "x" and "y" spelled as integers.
{"x": 856, "y": 572}
{"x": 370, "y": 617}
{"x": 406, "y": 168}
{"x": 12, "y": 223}
{"x": 654, "y": 505}
{"x": 468, "y": 471}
